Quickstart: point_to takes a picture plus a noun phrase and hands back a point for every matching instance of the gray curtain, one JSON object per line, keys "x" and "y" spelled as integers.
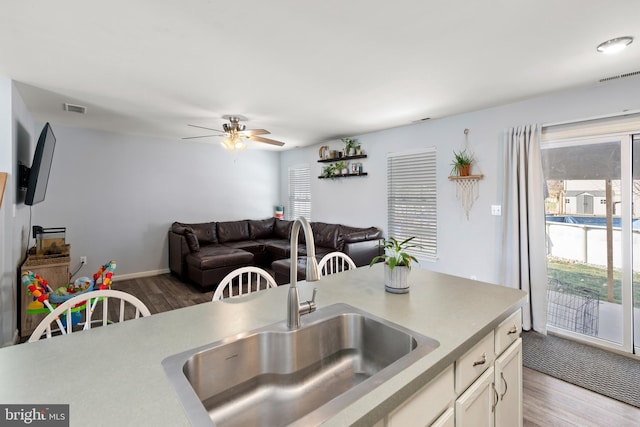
{"x": 524, "y": 264}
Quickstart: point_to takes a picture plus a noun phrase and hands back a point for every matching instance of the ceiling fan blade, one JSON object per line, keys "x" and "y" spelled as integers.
{"x": 201, "y": 136}
{"x": 253, "y": 132}
{"x": 266, "y": 140}
{"x": 202, "y": 127}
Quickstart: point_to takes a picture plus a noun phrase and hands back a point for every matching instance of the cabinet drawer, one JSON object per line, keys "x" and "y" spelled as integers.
{"x": 426, "y": 404}
{"x": 508, "y": 331}
{"x": 474, "y": 362}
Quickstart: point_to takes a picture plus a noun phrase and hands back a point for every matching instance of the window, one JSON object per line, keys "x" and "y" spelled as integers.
{"x": 299, "y": 192}
{"x": 412, "y": 201}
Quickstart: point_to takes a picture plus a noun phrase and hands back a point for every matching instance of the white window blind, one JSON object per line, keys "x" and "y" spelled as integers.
{"x": 412, "y": 199}
{"x": 299, "y": 192}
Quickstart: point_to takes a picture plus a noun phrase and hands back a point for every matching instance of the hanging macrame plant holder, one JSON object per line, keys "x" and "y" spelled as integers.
{"x": 467, "y": 190}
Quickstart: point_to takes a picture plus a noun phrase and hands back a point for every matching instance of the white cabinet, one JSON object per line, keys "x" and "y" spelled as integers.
{"x": 445, "y": 420}
{"x": 495, "y": 397}
{"x": 474, "y": 408}
{"x": 508, "y": 383}
{"x": 482, "y": 389}
{"x": 425, "y": 405}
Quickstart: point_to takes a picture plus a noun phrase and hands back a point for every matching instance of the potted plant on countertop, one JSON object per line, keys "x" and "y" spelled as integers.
{"x": 397, "y": 263}
{"x": 461, "y": 165}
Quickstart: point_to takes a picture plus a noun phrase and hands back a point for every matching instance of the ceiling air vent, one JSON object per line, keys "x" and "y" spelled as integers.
{"x": 608, "y": 79}
{"x": 72, "y": 108}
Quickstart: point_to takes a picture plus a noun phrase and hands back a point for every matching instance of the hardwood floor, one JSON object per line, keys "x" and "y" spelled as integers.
{"x": 548, "y": 402}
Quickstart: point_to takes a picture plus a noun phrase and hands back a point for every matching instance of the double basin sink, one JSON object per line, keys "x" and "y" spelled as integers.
{"x": 273, "y": 376}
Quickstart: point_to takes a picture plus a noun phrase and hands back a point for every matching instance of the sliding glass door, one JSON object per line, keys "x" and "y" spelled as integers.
{"x": 636, "y": 242}
{"x": 589, "y": 223}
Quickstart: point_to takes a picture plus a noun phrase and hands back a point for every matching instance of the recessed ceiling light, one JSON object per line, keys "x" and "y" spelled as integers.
{"x": 615, "y": 45}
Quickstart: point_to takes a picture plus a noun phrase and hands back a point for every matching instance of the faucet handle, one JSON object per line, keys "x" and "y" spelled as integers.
{"x": 312, "y": 303}
{"x": 309, "y": 306}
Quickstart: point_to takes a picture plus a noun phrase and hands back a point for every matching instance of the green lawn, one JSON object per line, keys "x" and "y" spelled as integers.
{"x": 590, "y": 277}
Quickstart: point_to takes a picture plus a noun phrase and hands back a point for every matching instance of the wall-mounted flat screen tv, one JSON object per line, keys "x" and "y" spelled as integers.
{"x": 40, "y": 167}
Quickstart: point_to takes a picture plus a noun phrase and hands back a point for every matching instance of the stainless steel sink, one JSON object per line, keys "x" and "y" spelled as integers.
{"x": 273, "y": 376}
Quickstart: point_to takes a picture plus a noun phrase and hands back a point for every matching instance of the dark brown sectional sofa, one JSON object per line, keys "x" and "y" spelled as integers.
{"x": 206, "y": 252}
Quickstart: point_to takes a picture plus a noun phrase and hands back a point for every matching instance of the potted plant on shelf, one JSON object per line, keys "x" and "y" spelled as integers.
{"x": 351, "y": 146}
{"x": 461, "y": 165}
{"x": 341, "y": 167}
{"x": 397, "y": 263}
{"x": 329, "y": 171}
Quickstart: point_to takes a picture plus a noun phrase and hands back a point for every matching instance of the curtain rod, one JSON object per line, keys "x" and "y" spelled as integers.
{"x": 589, "y": 119}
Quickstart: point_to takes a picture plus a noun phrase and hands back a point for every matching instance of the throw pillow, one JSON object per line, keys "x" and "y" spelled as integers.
{"x": 192, "y": 239}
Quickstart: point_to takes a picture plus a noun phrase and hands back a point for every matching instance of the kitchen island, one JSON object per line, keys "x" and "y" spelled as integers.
{"x": 113, "y": 376}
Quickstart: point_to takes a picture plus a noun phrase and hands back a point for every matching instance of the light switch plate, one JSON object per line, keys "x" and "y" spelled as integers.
{"x": 496, "y": 210}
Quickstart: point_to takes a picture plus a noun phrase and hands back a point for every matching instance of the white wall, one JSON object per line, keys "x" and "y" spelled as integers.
{"x": 465, "y": 247}
{"x": 117, "y": 194}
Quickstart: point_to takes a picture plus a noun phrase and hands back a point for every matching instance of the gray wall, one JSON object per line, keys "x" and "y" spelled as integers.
{"x": 117, "y": 194}
{"x": 467, "y": 248}
{"x": 16, "y": 144}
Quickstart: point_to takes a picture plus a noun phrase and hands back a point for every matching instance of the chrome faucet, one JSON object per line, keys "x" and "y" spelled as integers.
{"x": 294, "y": 308}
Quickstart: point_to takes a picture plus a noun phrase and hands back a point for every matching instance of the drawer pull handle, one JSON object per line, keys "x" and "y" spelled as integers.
{"x": 495, "y": 396}
{"x": 506, "y": 386}
{"x": 481, "y": 361}
{"x": 513, "y": 330}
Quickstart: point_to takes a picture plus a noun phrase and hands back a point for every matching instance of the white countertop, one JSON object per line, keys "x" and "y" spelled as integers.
{"x": 113, "y": 376}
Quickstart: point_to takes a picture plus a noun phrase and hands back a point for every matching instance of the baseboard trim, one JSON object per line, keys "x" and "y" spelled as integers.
{"x": 140, "y": 274}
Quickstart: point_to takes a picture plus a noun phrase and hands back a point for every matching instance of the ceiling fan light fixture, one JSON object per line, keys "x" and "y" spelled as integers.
{"x": 238, "y": 143}
{"x": 614, "y": 45}
{"x": 228, "y": 144}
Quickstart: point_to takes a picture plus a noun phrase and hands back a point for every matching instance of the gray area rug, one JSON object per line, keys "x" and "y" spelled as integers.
{"x": 597, "y": 370}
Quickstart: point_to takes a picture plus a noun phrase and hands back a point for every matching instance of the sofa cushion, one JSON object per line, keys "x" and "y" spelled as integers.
{"x": 354, "y": 235}
{"x": 261, "y": 229}
{"x": 192, "y": 239}
{"x": 282, "y": 229}
{"x": 233, "y": 231}
{"x": 278, "y": 248}
{"x": 204, "y": 231}
{"x": 327, "y": 235}
{"x": 215, "y": 256}
{"x": 253, "y": 246}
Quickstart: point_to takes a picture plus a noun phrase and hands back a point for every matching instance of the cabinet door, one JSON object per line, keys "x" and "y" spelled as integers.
{"x": 445, "y": 420}
{"x": 426, "y": 404}
{"x": 508, "y": 383}
{"x": 474, "y": 408}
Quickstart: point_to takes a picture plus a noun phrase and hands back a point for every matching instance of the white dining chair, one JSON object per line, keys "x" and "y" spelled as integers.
{"x": 123, "y": 305}
{"x": 246, "y": 277}
{"x": 335, "y": 262}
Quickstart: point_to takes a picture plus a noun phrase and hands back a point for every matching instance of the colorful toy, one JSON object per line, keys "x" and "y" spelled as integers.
{"x": 44, "y": 296}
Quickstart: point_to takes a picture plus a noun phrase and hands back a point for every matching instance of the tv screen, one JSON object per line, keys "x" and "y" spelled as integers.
{"x": 40, "y": 167}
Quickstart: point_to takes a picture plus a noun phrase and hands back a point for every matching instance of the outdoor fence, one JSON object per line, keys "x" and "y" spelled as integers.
{"x": 588, "y": 244}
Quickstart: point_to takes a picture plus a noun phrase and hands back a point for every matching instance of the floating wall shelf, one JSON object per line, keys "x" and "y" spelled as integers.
{"x": 337, "y": 159}
{"x": 348, "y": 175}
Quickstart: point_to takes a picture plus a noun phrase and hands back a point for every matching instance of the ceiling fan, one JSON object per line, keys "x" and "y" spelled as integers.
{"x": 235, "y": 133}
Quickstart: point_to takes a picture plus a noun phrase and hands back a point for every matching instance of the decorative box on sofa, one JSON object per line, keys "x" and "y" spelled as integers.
{"x": 206, "y": 252}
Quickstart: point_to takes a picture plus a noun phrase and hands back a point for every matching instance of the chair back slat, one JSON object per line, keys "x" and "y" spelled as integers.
{"x": 335, "y": 262}
{"x": 90, "y": 301}
{"x": 244, "y": 279}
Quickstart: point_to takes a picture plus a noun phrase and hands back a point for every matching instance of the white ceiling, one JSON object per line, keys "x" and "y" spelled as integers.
{"x": 307, "y": 71}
